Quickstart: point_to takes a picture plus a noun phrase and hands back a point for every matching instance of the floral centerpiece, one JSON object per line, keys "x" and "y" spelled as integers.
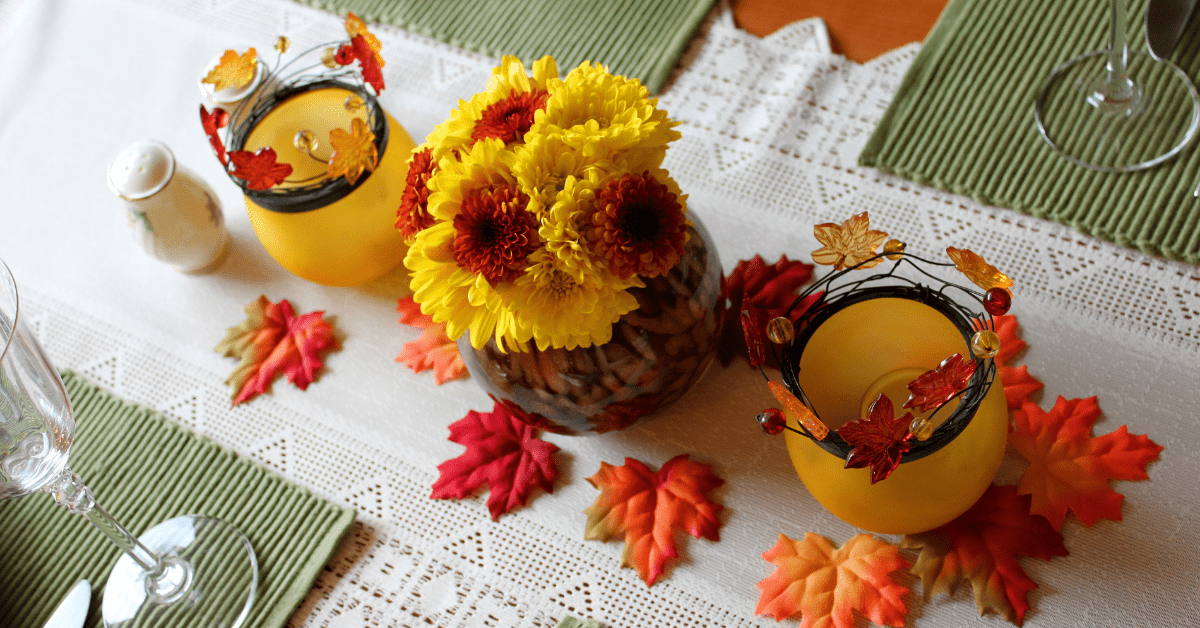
{"x": 540, "y": 208}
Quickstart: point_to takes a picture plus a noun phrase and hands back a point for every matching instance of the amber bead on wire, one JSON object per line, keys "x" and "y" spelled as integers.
{"x": 893, "y": 249}
{"x": 985, "y": 344}
{"x": 282, "y": 44}
{"x": 305, "y": 141}
{"x": 921, "y": 428}
{"x": 997, "y": 301}
{"x": 780, "y": 330}
{"x": 354, "y": 103}
{"x": 772, "y": 421}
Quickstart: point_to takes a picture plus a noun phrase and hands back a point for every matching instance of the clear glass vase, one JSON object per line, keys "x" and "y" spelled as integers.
{"x": 657, "y": 353}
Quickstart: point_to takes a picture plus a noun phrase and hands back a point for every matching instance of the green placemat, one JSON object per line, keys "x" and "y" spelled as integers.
{"x": 144, "y": 468}
{"x": 962, "y": 121}
{"x": 636, "y": 38}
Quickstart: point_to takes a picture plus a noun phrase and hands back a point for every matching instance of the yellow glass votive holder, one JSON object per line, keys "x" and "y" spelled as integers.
{"x": 328, "y": 230}
{"x": 873, "y": 343}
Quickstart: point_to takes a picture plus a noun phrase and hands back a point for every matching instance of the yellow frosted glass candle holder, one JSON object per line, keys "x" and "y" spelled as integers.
{"x": 875, "y": 341}
{"x": 327, "y": 230}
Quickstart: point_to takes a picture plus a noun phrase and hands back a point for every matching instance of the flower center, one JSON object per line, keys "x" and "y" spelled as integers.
{"x": 495, "y": 234}
{"x": 510, "y": 118}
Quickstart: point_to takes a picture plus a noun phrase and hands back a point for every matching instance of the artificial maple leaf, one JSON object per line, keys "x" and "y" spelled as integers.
{"x": 212, "y": 123}
{"x": 824, "y": 586}
{"x": 503, "y": 452}
{"x": 1070, "y": 468}
{"x": 849, "y": 244}
{"x": 365, "y": 47}
{"x": 977, "y": 269}
{"x": 754, "y": 284}
{"x": 433, "y": 350}
{"x": 274, "y": 341}
{"x": 647, "y": 507}
{"x": 879, "y": 439}
{"x": 1018, "y": 383}
{"x": 982, "y": 546}
{"x": 353, "y": 151}
{"x": 937, "y": 386}
{"x": 233, "y": 70}
{"x": 260, "y": 170}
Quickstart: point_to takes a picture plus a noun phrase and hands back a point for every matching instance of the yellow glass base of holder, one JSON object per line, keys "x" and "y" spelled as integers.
{"x": 871, "y": 347}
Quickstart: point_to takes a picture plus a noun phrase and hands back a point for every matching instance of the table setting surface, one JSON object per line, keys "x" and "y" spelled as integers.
{"x": 772, "y": 129}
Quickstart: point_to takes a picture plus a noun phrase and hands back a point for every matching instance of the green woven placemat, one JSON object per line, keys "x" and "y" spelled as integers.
{"x": 144, "y": 469}
{"x": 636, "y": 38}
{"x": 962, "y": 121}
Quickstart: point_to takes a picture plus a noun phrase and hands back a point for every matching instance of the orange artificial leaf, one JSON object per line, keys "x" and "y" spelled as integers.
{"x": 823, "y": 586}
{"x": 937, "y": 386}
{"x": 647, "y": 508}
{"x": 434, "y": 350}
{"x": 503, "y": 452}
{"x": 978, "y": 270}
{"x": 1069, "y": 468}
{"x": 260, "y": 170}
{"x": 1008, "y": 329}
{"x": 849, "y": 244}
{"x": 273, "y": 341}
{"x": 879, "y": 439}
{"x": 353, "y": 151}
{"x": 233, "y": 70}
{"x": 982, "y": 546}
{"x": 1018, "y": 385}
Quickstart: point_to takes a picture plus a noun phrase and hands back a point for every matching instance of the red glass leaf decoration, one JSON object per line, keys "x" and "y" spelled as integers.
{"x": 937, "y": 386}
{"x": 879, "y": 439}
{"x": 752, "y": 328}
{"x": 260, "y": 170}
{"x": 212, "y": 123}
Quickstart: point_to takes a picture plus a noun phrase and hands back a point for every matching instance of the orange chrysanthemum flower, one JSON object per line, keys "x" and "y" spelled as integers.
{"x": 494, "y": 234}
{"x": 637, "y": 226}
{"x": 509, "y": 119}
{"x": 413, "y": 215}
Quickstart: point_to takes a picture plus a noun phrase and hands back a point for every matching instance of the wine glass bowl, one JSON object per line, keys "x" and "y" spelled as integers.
{"x": 193, "y": 570}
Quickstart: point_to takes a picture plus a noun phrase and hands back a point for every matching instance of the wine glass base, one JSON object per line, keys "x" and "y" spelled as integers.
{"x": 212, "y": 564}
{"x": 1149, "y": 124}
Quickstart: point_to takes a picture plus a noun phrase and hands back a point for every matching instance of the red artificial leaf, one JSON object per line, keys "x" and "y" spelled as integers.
{"x": 433, "y": 350}
{"x": 260, "y": 170}
{"x": 879, "y": 439}
{"x": 503, "y": 452}
{"x": 755, "y": 285}
{"x": 212, "y": 122}
{"x": 1018, "y": 383}
{"x": 648, "y": 507}
{"x": 935, "y": 387}
{"x": 1069, "y": 468}
{"x": 824, "y": 586}
{"x": 982, "y": 546}
{"x": 273, "y": 341}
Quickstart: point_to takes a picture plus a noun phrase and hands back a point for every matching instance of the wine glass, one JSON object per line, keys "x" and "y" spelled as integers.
{"x": 192, "y": 571}
{"x": 1118, "y": 110}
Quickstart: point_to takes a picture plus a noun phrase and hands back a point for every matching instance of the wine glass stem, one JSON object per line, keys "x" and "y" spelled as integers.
{"x": 166, "y": 579}
{"x": 1116, "y": 92}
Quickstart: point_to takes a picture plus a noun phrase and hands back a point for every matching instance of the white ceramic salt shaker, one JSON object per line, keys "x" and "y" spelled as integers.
{"x": 174, "y": 215}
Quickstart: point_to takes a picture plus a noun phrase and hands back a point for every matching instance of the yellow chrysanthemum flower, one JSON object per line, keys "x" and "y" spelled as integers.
{"x": 504, "y": 110}
{"x": 542, "y": 296}
{"x": 590, "y": 102}
{"x": 543, "y": 165}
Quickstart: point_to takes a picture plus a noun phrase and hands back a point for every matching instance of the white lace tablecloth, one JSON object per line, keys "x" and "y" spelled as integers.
{"x": 771, "y": 131}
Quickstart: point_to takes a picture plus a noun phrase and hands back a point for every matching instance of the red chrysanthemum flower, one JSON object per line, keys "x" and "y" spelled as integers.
{"x": 637, "y": 225}
{"x": 495, "y": 234}
{"x": 413, "y": 215}
{"x": 509, "y": 119}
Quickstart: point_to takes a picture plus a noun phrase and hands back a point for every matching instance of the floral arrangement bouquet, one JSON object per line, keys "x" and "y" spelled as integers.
{"x": 539, "y": 204}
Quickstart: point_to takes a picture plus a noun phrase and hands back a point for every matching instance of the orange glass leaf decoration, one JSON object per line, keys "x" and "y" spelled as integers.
{"x": 353, "y": 151}
{"x": 1069, "y": 468}
{"x": 260, "y": 170}
{"x": 982, "y": 546}
{"x": 978, "y": 270}
{"x": 798, "y": 410}
{"x": 937, "y": 386}
{"x": 503, "y": 452}
{"x": 823, "y": 586}
{"x": 1018, "y": 383}
{"x": 365, "y": 47}
{"x": 879, "y": 439}
{"x": 849, "y": 244}
{"x": 273, "y": 341}
{"x": 233, "y": 70}
{"x": 434, "y": 350}
{"x": 648, "y": 507}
